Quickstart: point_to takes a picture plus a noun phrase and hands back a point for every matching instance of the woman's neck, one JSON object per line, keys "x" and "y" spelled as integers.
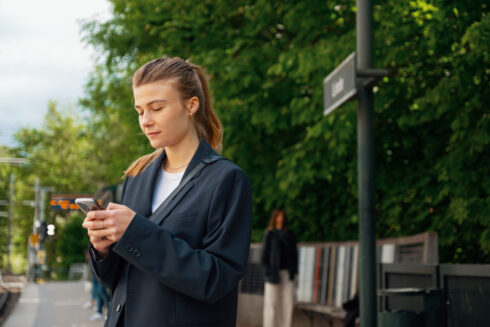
{"x": 180, "y": 155}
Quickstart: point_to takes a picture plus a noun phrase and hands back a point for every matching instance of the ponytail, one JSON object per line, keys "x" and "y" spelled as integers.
{"x": 208, "y": 124}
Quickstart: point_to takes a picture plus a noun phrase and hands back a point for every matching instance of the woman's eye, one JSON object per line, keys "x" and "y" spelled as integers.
{"x": 156, "y": 109}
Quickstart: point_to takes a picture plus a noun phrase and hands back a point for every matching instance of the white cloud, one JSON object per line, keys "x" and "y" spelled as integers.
{"x": 41, "y": 58}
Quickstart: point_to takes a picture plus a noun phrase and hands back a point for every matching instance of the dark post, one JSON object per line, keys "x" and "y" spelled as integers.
{"x": 365, "y": 141}
{"x": 11, "y": 215}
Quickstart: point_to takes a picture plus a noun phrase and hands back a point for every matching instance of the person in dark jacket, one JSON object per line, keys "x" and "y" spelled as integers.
{"x": 175, "y": 250}
{"x": 280, "y": 265}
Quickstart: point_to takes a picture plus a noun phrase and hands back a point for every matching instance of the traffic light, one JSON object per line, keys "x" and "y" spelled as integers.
{"x": 43, "y": 231}
{"x": 51, "y": 229}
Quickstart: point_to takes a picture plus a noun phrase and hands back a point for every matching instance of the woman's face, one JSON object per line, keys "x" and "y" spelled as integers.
{"x": 279, "y": 220}
{"x": 163, "y": 116}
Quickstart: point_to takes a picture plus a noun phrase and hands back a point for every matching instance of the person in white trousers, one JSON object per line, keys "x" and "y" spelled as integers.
{"x": 280, "y": 265}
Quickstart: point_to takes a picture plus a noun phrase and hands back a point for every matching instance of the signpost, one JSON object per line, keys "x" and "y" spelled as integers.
{"x": 344, "y": 82}
{"x": 354, "y": 76}
{"x": 340, "y": 85}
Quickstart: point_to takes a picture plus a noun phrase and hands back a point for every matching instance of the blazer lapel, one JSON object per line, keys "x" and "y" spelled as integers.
{"x": 160, "y": 218}
{"x": 202, "y": 151}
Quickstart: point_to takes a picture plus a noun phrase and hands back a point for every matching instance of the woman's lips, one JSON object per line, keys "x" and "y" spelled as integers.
{"x": 152, "y": 134}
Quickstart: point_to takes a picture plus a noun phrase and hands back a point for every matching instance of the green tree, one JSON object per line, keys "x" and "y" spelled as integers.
{"x": 5, "y": 171}
{"x": 70, "y": 244}
{"x": 266, "y": 61}
{"x": 61, "y": 154}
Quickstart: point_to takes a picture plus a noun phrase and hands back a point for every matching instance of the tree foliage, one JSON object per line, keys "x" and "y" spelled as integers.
{"x": 266, "y": 61}
{"x": 61, "y": 155}
{"x": 71, "y": 243}
{"x": 5, "y": 172}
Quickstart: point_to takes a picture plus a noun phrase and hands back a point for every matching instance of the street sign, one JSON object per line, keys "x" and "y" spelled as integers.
{"x": 63, "y": 202}
{"x": 34, "y": 239}
{"x": 340, "y": 85}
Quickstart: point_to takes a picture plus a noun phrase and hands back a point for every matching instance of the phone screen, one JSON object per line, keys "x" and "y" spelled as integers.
{"x": 88, "y": 204}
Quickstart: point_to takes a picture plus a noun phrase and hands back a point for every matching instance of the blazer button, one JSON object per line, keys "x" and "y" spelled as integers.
{"x": 129, "y": 247}
{"x": 136, "y": 253}
{"x": 118, "y": 308}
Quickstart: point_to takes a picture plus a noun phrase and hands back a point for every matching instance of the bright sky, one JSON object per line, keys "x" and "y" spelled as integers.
{"x": 42, "y": 58}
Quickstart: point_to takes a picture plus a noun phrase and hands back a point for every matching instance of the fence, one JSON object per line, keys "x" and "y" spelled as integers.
{"x": 328, "y": 273}
{"x": 466, "y": 290}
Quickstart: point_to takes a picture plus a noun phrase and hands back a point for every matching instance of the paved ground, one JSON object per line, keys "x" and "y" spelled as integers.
{"x": 53, "y": 304}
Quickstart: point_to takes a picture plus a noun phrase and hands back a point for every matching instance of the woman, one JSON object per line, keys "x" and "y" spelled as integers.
{"x": 176, "y": 263}
{"x": 280, "y": 265}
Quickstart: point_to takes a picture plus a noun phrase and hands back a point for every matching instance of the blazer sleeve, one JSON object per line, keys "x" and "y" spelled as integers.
{"x": 206, "y": 274}
{"x": 107, "y": 269}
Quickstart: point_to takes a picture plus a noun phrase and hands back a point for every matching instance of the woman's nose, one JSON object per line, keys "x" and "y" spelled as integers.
{"x": 146, "y": 119}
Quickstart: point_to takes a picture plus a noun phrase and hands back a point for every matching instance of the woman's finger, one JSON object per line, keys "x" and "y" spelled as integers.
{"x": 97, "y": 224}
{"x": 98, "y": 233}
{"x": 101, "y": 245}
{"x": 101, "y": 239}
{"x": 99, "y": 214}
{"x": 110, "y": 233}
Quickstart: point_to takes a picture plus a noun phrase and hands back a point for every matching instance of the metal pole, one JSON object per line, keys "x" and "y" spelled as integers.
{"x": 36, "y": 206}
{"x": 11, "y": 215}
{"x": 365, "y": 141}
{"x": 42, "y": 216}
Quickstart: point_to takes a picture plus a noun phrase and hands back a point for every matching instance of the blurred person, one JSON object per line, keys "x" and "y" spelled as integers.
{"x": 352, "y": 308}
{"x": 89, "y": 283}
{"x": 98, "y": 295}
{"x": 280, "y": 265}
{"x": 101, "y": 299}
{"x": 174, "y": 251}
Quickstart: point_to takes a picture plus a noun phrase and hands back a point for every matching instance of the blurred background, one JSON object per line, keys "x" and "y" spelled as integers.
{"x": 68, "y": 127}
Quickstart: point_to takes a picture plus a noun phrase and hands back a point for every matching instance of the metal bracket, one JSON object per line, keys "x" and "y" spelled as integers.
{"x": 371, "y": 72}
{"x": 369, "y": 77}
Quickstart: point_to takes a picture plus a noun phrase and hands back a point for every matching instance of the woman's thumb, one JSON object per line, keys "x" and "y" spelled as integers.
{"x": 112, "y": 206}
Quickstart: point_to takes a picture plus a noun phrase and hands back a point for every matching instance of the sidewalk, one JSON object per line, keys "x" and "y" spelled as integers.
{"x": 53, "y": 304}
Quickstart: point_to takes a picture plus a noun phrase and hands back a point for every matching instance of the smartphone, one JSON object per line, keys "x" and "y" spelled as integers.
{"x": 88, "y": 204}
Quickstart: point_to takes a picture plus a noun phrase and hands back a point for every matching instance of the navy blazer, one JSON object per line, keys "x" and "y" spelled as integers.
{"x": 185, "y": 270}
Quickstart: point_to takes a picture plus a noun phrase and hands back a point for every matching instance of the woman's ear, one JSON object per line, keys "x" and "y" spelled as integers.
{"x": 192, "y": 106}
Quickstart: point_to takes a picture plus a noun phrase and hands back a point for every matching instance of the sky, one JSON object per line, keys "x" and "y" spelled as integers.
{"x": 42, "y": 58}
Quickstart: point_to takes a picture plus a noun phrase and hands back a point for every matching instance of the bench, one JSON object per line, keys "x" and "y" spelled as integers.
{"x": 328, "y": 276}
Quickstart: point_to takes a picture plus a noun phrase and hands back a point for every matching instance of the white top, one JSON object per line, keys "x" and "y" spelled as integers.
{"x": 165, "y": 184}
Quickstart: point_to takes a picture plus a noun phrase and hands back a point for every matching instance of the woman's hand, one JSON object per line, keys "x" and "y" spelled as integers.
{"x": 106, "y": 227}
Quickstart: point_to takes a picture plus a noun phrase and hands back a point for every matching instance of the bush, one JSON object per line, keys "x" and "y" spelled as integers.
{"x": 71, "y": 243}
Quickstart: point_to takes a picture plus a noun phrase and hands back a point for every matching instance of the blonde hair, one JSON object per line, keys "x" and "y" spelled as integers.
{"x": 190, "y": 81}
